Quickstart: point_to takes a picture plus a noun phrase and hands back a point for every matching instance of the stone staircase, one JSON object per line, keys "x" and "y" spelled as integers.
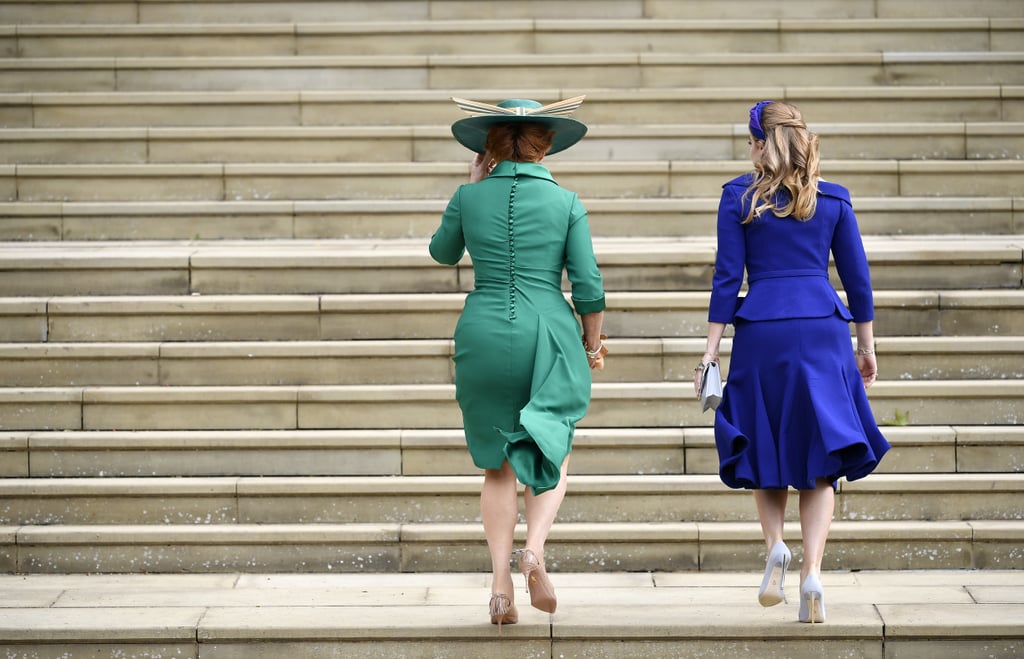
{"x": 224, "y": 348}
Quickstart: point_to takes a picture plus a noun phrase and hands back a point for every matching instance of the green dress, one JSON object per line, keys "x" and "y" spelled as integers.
{"x": 522, "y": 379}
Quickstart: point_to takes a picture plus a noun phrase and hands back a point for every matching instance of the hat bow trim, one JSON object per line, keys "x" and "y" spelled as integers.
{"x": 558, "y": 108}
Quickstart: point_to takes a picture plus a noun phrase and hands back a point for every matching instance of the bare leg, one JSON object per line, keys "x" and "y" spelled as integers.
{"x": 816, "y": 509}
{"x": 541, "y": 510}
{"x": 771, "y": 510}
{"x": 540, "y": 513}
{"x": 499, "y": 511}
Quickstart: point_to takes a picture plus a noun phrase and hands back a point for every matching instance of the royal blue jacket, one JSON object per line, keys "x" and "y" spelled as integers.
{"x": 787, "y": 261}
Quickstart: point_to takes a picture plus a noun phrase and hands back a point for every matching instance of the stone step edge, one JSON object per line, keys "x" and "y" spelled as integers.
{"x": 298, "y": 255}
{"x": 40, "y": 312}
{"x": 175, "y": 305}
{"x": 11, "y": 209}
{"x": 361, "y": 533}
{"x": 729, "y": 131}
{"x": 511, "y": 25}
{"x": 922, "y": 449}
{"x": 543, "y": 94}
{"x": 978, "y": 345}
{"x": 525, "y": 60}
{"x": 402, "y": 11}
{"x": 449, "y": 168}
{"x": 288, "y": 407}
{"x": 681, "y": 609}
{"x": 663, "y": 629}
{"x": 444, "y": 393}
{"x": 417, "y": 547}
{"x": 330, "y": 486}
{"x": 212, "y": 305}
{"x": 446, "y": 438}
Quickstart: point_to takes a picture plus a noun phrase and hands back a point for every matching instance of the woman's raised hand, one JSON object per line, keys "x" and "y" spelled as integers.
{"x": 478, "y": 169}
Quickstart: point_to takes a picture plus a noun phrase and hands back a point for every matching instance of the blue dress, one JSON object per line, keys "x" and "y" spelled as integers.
{"x": 794, "y": 408}
{"x": 522, "y": 379}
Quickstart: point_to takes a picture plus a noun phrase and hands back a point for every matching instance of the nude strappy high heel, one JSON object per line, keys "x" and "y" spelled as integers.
{"x": 502, "y": 611}
{"x": 542, "y": 592}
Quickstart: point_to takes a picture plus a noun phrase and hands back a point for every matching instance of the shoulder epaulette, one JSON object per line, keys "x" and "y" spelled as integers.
{"x": 834, "y": 190}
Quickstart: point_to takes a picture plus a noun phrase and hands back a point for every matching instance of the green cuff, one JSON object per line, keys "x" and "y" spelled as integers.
{"x": 588, "y": 306}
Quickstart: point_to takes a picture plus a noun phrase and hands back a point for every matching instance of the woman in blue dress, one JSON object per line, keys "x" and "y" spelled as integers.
{"x": 794, "y": 411}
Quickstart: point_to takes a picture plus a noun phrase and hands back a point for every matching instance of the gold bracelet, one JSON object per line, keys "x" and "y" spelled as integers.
{"x": 865, "y": 351}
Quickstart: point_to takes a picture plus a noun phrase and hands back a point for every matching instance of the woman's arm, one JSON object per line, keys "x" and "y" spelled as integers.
{"x": 715, "y": 332}
{"x": 866, "y": 362}
{"x": 592, "y": 342}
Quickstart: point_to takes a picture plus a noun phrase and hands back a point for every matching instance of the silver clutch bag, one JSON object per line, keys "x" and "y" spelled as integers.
{"x": 711, "y": 387}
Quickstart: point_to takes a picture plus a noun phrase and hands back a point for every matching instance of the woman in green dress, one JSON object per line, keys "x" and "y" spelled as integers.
{"x": 522, "y": 373}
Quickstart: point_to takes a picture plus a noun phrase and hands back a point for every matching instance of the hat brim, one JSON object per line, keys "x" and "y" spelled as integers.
{"x": 471, "y": 132}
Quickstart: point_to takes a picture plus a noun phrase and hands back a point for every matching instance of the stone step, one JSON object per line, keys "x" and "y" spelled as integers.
{"x": 608, "y": 615}
{"x": 525, "y": 36}
{"x": 321, "y": 11}
{"x": 429, "y": 361}
{"x": 424, "y": 547}
{"x": 456, "y": 500}
{"x": 442, "y": 452}
{"x": 499, "y": 70}
{"x": 433, "y": 316}
{"x": 419, "y": 180}
{"x": 387, "y": 219}
{"x": 420, "y": 143}
{"x": 436, "y": 547}
{"x": 710, "y": 104}
{"x": 288, "y": 407}
{"x": 290, "y": 267}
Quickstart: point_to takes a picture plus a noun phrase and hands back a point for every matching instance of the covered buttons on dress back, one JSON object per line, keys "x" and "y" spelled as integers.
{"x": 512, "y": 245}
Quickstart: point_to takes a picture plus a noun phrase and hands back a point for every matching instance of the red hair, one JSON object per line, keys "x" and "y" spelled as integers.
{"x": 518, "y": 141}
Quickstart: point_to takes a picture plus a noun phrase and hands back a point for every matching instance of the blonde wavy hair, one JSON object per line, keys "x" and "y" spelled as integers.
{"x": 790, "y": 163}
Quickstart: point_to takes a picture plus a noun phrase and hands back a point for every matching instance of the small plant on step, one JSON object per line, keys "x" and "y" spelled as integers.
{"x": 898, "y": 419}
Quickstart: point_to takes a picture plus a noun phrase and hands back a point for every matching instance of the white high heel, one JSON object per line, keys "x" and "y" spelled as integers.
{"x": 771, "y": 592}
{"x": 812, "y": 600}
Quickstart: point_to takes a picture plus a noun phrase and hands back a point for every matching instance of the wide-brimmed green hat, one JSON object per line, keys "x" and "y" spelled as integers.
{"x": 471, "y": 132}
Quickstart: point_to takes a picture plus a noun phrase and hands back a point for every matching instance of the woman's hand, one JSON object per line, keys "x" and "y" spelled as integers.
{"x": 868, "y": 368}
{"x": 480, "y": 167}
{"x": 596, "y": 357}
{"x": 865, "y": 352}
{"x": 698, "y": 371}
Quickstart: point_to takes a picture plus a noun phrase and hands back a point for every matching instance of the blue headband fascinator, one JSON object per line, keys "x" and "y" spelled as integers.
{"x": 755, "y": 120}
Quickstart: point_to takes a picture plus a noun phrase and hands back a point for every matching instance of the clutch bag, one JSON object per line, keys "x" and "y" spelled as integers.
{"x": 711, "y": 387}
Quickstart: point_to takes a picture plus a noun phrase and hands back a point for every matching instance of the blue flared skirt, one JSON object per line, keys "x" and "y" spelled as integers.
{"x": 794, "y": 408}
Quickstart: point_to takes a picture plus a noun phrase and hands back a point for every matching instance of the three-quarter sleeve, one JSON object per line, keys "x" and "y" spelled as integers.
{"x": 581, "y": 264}
{"x": 730, "y": 259}
{"x": 448, "y": 244}
{"x": 852, "y": 265}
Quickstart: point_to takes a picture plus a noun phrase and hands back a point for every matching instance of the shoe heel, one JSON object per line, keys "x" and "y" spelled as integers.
{"x": 812, "y": 600}
{"x": 539, "y": 587}
{"x": 771, "y": 591}
{"x": 502, "y": 611}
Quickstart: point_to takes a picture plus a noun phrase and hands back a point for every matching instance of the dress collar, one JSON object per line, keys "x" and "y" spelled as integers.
{"x": 510, "y": 168}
